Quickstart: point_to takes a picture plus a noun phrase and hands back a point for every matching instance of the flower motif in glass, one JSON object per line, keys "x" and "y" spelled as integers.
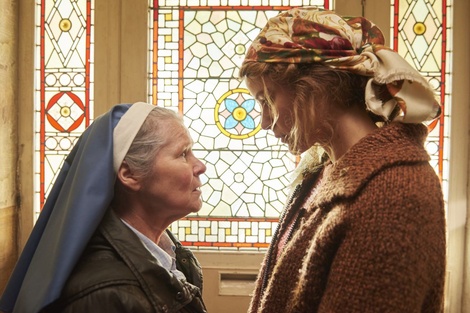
{"x": 239, "y": 113}
{"x": 236, "y": 114}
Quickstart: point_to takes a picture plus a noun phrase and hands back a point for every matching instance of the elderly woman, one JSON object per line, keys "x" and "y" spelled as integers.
{"x": 364, "y": 230}
{"x": 101, "y": 243}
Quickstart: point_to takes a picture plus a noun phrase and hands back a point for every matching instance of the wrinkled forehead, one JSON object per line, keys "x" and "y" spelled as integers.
{"x": 173, "y": 129}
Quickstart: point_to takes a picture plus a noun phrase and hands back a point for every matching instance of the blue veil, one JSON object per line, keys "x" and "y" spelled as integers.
{"x": 74, "y": 208}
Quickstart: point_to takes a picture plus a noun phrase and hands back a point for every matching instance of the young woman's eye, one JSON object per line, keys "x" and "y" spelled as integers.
{"x": 263, "y": 103}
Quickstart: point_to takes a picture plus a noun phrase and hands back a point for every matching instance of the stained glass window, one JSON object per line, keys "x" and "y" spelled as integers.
{"x": 64, "y": 83}
{"x": 420, "y": 31}
{"x": 196, "y": 48}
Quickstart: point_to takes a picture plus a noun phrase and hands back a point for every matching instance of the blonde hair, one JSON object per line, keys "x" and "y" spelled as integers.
{"x": 315, "y": 87}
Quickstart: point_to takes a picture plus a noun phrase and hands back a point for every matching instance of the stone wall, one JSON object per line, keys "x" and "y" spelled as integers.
{"x": 8, "y": 138}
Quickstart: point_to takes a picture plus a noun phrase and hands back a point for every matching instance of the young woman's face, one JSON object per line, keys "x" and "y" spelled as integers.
{"x": 281, "y": 98}
{"x": 172, "y": 188}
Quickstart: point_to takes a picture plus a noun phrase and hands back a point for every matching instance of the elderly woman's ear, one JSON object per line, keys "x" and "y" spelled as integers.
{"x": 128, "y": 178}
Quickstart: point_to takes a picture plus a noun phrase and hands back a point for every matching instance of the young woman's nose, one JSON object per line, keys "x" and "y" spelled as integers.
{"x": 266, "y": 120}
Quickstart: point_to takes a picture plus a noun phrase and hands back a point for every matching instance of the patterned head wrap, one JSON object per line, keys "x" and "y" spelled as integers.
{"x": 354, "y": 44}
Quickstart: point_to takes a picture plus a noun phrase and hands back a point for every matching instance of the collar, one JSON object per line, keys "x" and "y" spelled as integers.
{"x": 163, "y": 252}
{"x": 396, "y": 143}
{"x": 158, "y": 284}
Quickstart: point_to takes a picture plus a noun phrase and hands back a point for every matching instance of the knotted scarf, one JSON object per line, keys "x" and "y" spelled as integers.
{"x": 354, "y": 44}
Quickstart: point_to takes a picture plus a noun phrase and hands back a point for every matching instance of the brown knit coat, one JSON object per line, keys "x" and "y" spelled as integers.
{"x": 373, "y": 240}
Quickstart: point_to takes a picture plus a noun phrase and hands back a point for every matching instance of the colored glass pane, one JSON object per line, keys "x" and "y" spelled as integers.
{"x": 420, "y": 30}
{"x": 196, "y": 48}
{"x": 63, "y": 100}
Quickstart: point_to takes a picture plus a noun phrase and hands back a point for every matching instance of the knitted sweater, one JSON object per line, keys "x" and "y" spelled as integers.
{"x": 373, "y": 240}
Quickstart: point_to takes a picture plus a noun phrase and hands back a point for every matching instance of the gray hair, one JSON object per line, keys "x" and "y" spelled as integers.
{"x": 149, "y": 140}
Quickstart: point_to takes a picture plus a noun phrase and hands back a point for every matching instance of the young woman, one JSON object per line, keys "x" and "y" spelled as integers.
{"x": 364, "y": 229}
{"x": 101, "y": 243}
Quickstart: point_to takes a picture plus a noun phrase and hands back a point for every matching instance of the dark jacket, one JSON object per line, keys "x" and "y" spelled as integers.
{"x": 372, "y": 239}
{"x": 116, "y": 273}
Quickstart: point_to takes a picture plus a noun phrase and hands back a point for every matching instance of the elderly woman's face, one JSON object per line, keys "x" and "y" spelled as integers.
{"x": 173, "y": 187}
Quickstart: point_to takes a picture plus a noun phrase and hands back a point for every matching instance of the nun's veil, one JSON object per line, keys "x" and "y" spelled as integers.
{"x": 75, "y": 206}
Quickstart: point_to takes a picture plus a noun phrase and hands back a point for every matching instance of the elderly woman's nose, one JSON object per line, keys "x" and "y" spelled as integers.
{"x": 200, "y": 167}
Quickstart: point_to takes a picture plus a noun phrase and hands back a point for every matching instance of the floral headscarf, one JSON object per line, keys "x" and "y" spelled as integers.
{"x": 354, "y": 44}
